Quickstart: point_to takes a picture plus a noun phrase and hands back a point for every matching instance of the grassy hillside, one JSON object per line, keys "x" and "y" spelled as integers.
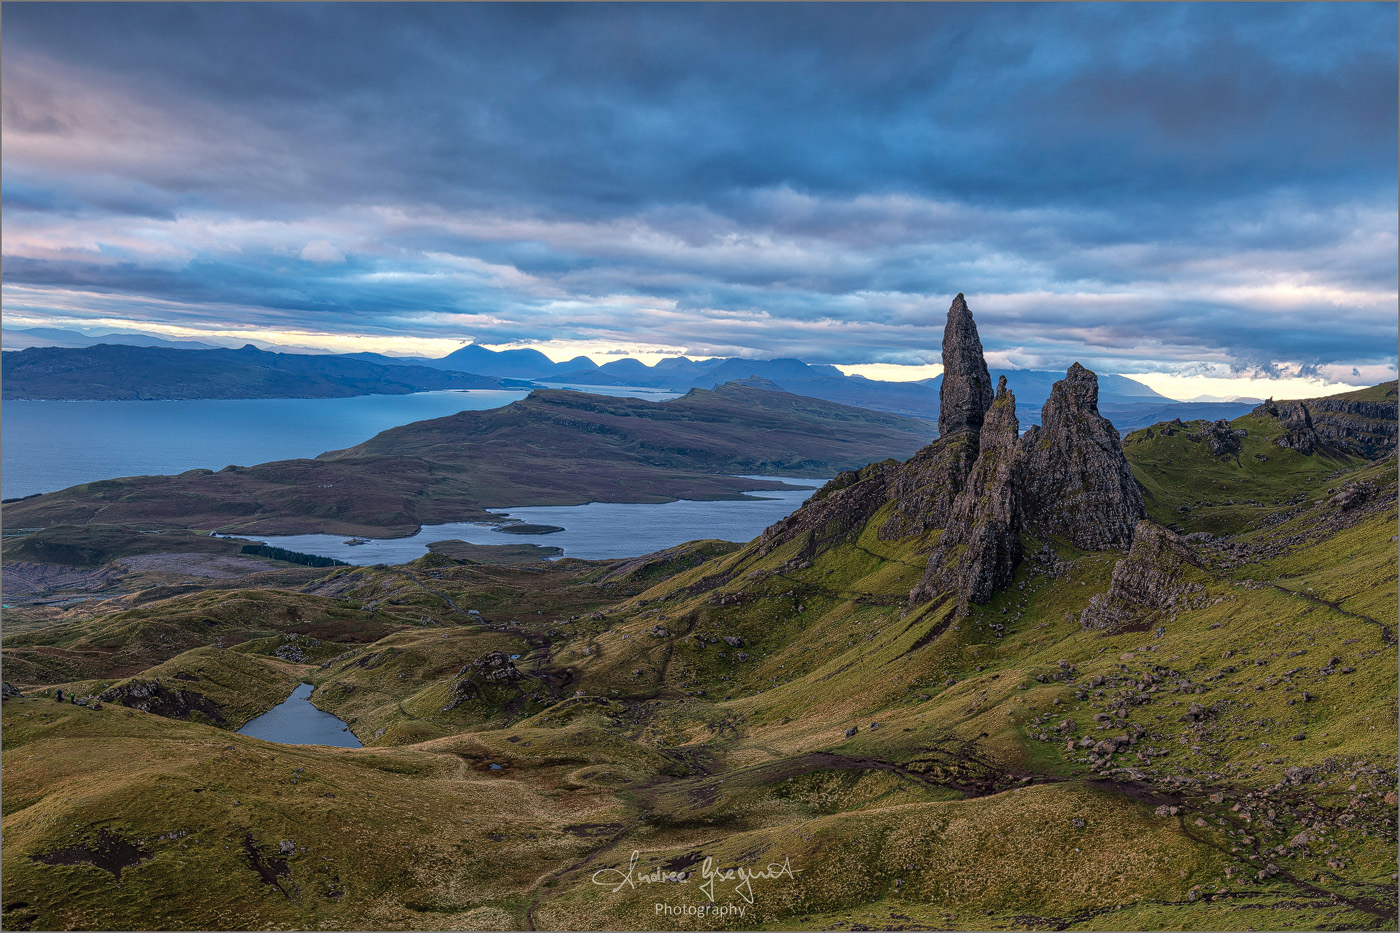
{"x": 1187, "y": 486}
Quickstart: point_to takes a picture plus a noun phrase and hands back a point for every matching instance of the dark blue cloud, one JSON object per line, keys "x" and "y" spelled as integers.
{"x": 855, "y": 164}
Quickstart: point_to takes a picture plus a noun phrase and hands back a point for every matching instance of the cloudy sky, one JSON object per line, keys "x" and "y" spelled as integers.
{"x": 1176, "y": 191}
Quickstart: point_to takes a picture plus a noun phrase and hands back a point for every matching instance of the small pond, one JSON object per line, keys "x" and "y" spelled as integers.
{"x": 295, "y": 721}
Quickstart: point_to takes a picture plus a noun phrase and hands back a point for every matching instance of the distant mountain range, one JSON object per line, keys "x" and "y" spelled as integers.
{"x": 22, "y": 338}
{"x": 84, "y": 371}
{"x": 1126, "y": 402}
{"x": 107, "y": 372}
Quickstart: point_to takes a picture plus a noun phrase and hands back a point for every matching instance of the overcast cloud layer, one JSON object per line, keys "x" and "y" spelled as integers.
{"x": 1183, "y": 188}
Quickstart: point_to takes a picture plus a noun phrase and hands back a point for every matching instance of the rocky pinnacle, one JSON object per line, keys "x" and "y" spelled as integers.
{"x": 981, "y": 545}
{"x": 1078, "y": 483}
{"x": 967, "y": 386}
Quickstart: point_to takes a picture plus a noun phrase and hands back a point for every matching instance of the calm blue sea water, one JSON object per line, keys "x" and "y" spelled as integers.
{"x": 295, "y": 721}
{"x": 596, "y": 531}
{"x": 54, "y": 445}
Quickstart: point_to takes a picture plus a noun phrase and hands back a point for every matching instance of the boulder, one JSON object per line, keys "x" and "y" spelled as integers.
{"x": 1146, "y": 583}
{"x": 1352, "y": 495}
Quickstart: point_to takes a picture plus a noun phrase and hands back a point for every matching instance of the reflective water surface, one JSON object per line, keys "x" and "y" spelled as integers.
{"x": 295, "y": 721}
{"x": 596, "y": 531}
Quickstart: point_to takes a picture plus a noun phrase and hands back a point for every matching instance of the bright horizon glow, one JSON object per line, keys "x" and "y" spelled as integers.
{"x": 893, "y": 372}
{"x": 1189, "y": 387}
{"x": 1176, "y": 387}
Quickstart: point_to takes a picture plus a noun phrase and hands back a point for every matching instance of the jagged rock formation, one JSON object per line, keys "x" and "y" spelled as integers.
{"x": 926, "y": 486}
{"x": 967, "y": 386}
{"x": 1298, "y": 427}
{"x": 1147, "y": 583}
{"x": 925, "y": 490}
{"x": 1223, "y": 440}
{"x": 151, "y": 696}
{"x": 9, "y": 690}
{"x": 981, "y": 484}
{"x": 1066, "y": 478}
{"x": 1365, "y": 428}
{"x": 981, "y": 543}
{"x": 1078, "y": 483}
{"x": 495, "y": 668}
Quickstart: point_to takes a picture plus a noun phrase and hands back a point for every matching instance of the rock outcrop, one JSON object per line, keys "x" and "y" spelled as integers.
{"x": 1223, "y": 440}
{"x": 927, "y": 484}
{"x": 757, "y": 382}
{"x": 1364, "y": 428}
{"x": 1147, "y": 584}
{"x": 1297, "y": 424}
{"x": 1361, "y": 427}
{"x": 924, "y": 487}
{"x": 493, "y": 669}
{"x": 838, "y": 509}
{"x": 1078, "y": 484}
{"x": 152, "y": 696}
{"x": 966, "y": 393}
{"x": 981, "y": 543}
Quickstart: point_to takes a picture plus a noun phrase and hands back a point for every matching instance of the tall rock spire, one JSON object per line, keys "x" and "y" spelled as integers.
{"x": 1078, "y": 483}
{"x": 981, "y": 545}
{"x": 924, "y": 492}
{"x": 967, "y": 386}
